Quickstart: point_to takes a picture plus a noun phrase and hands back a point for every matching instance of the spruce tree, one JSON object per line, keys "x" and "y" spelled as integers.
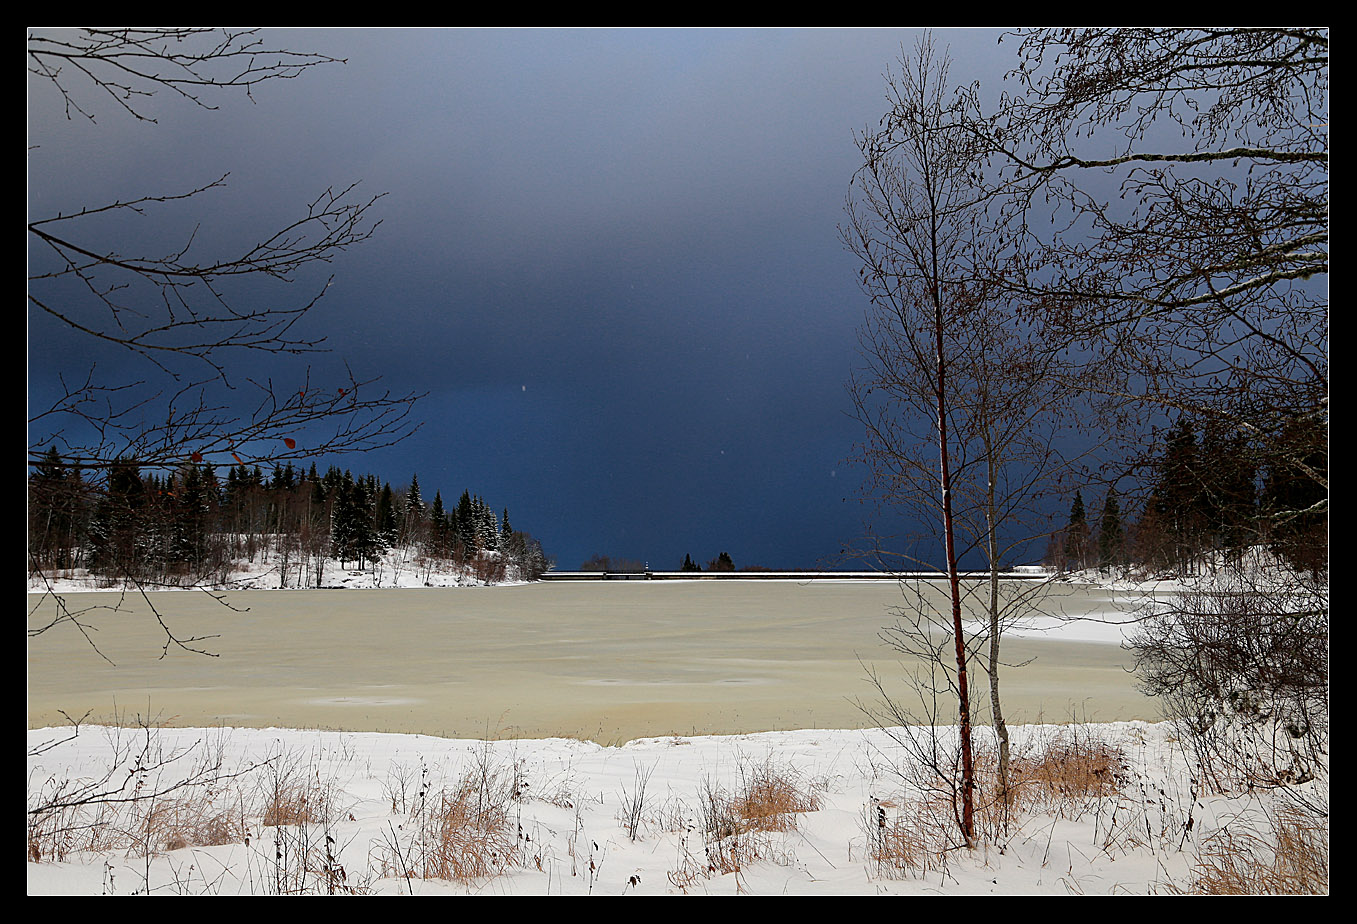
{"x": 1076, "y": 536}
{"x": 1229, "y": 475}
{"x": 466, "y": 522}
{"x": 1295, "y": 496}
{"x": 354, "y": 533}
{"x": 190, "y": 511}
{"x": 487, "y": 529}
{"x": 55, "y": 502}
{"x": 117, "y": 541}
{"x": 414, "y": 504}
{"x": 387, "y": 527}
{"x": 1178, "y": 499}
{"x": 438, "y": 525}
{"x": 1110, "y": 533}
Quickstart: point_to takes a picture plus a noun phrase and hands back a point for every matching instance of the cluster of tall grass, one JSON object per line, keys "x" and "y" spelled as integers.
{"x": 737, "y": 827}
{"x": 1286, "y": 852}
{"x": 463, "y": 831}
{"x": 1260, "y": 842}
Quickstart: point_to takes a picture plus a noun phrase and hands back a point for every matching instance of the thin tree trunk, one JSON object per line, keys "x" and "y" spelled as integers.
{"x": 953, "y": 577}
{"x": 992, "y": 539}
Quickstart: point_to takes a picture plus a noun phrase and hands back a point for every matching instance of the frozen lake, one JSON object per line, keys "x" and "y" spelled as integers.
{"x": 603, "y": 661}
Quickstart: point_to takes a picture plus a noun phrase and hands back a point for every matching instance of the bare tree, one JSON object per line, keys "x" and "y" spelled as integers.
{"x": 1241, "y": 665}
{"x": 961, "y": 377}
{"x": 190, "y": 312}
{"x": 1012, "y": 410}
{"x": 187, "y": 313}
{"x": 909, "y": 224}
{"x": 1168, "y": 195}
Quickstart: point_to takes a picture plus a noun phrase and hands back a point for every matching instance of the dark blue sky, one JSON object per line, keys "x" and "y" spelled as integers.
{"x": 611, "y": 258}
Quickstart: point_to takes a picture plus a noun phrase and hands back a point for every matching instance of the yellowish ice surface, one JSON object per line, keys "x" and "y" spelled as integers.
{"x": 604, "y": 661}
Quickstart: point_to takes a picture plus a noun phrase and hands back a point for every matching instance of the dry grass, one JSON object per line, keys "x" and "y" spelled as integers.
{"x": 738, "y": 829}
{"x": 1290, "y": 856}
{"x": 140, "y": 807}
{"x": 471, "y": 838}
{"x": 464, "y": 833}
{"x": 1072, "y": 768}
{"x": 292, "y": 793}
{"x": 141, "y": 822}
{"x": 53, "y": 836}
{"x": 140, "y": 827}
{"x": 196, "y": 820}
{"x": 1063, "y": 776}
{"x": 1060, "y": 776}
{"x": 297, "y": 804}
{"x": 901, "y": 842}
{"x": 771, "y": 797}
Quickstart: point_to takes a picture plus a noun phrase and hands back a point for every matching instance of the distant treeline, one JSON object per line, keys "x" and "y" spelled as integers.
{"x": 1210, "y": 496}
{"x": 187, "y": 526}
{"x": 722, "y": 562}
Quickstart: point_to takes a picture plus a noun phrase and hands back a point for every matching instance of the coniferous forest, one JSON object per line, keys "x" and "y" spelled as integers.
{"x": 1208, "y": 498}
{"x": 191, "y": 527}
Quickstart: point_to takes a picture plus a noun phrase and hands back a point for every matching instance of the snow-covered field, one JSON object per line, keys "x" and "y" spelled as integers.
{"x": 809, "y": 812}
{"x": 568, "y": 826}
{"x": 397, "y": 568}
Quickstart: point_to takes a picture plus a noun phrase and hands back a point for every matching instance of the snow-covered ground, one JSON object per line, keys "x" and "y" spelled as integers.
{"x": 399, "y": 567}
{"x": 566, "y": 807}
{"x": 654, "y": 816}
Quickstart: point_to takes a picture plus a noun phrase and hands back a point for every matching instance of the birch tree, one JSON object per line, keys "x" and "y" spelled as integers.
{"x": 1167, "y": 192}
{"x": 909, "y": 224}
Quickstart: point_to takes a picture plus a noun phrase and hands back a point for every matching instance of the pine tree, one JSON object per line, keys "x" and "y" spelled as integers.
{"x": 284, "y": 478}
{"x": 1229, "y": 484}
{"x": 487, "y": 529}
{"x": 1295, "y": 496}
{"x": 414, "y": 504}
{"x": 1076, "y": 536}
{"x": 388, "y": 529}
{"x": 466, "y": 522}
{"x": 190, "y": 514}
{"x": 413, "y": 516}
{"x": 117, "y": 542}
{"x": 1177, "y": 498}
{"x": 354, "y": 532}
{"x": 1111, "y": 538}
{"x": 369, "y": 540}
{"x": 438, "y": 526}
{"x": 55, "y": 512}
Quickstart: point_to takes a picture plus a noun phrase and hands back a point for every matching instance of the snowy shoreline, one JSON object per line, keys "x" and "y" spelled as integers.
{"x": 574, "y": 827}
{"x": 582, "y": 818}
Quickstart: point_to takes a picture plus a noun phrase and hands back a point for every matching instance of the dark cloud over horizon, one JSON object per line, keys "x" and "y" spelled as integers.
{"x": 611, "y": 258}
